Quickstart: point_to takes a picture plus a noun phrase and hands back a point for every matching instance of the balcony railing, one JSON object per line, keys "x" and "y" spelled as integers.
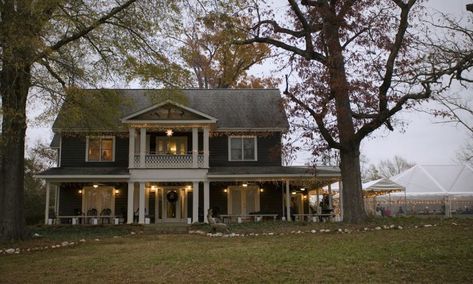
{"x": 169, "y": 161}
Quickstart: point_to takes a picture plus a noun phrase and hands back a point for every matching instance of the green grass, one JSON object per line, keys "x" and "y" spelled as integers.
{"x": 443, "y": 253}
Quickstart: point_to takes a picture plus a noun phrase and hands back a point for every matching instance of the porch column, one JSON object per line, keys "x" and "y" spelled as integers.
{"x": 206, "y": 200}
{"x": 131, "y": 148}
{"x": 330, "y": 201}
{"x": 141, "y": 216}
{"x": 46, "y": 209}
{"x": 288, "y": 202}
{"x": 340, "y": 194}
{"x": 195, "y": 202}
{"x": 56, "y": 199}
{"x": 142, "y": 147}
{"x": 129, "y": 215}
{"x": 206, "y": 148}
{"x": 195, "y": 147}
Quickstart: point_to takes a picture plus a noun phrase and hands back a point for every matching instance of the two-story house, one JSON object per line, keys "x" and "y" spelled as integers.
{"x": 169, "y": 158}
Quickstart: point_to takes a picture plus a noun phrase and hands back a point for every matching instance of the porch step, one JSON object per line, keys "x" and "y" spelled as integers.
{"x": 167, "y": 228}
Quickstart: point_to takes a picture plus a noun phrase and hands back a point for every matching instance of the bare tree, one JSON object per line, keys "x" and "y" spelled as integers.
{"x": 357, "y": 64}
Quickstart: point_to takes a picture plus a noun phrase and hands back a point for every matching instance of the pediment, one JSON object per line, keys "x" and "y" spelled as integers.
{"x": 168, "y": 111}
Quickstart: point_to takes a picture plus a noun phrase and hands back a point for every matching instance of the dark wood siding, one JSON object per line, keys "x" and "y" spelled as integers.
{"x": 269, "y": 152}
{"x": 73, "y": 153}
{"x": 271, "y": 198}
{"x": 121, "y": 201}
{"x": 218, "y": 198}
{"x": 70, "y": 200}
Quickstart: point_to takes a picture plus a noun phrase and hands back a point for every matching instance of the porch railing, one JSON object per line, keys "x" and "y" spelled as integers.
{"x": 169, "y": 161}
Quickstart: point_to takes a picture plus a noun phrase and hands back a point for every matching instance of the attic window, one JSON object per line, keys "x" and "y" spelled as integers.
{"x": 100, "y": 149}
{"x": 242, "y": 148}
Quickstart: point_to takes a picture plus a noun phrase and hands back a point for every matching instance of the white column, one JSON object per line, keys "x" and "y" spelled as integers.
{"x": 288, "y": 202}
{"x": 56, "y": 199}
{"x": 195, "y": 146}
{"x": 131, "y": 148}
{"x": 46, "y": 209}
{"x": 206, "y": 148}
{"x": 156, "y": 206}
{"x": 141, "y": 216}
{"x": 195, "y": 202}
{"x": 340, "y": 194}
{"x": 129, "y": 215}
{"x": 330, "y": 201}
{"x": 206, "y": 200}
{"x": 142, "y": 147}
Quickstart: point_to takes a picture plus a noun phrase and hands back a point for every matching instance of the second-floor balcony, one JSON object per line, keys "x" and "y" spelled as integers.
{"x": 168, "y": 161}
{"x": 178, "y": 148}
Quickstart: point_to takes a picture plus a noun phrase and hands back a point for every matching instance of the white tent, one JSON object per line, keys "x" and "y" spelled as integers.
{"x": 436, "y": 181}
{"x": 382, "y": 185}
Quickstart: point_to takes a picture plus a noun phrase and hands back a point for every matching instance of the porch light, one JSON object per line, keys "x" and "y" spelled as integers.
{"x": 80, "y": 191}
{"x": 117, "y": 191}
{"x": 225, "y": 190}
{"x": 261, "y": 190}
{"x": 302, "y": 189}
{"x": 153, "y": 188}
{"x": 245, "y": 184}
{"x": 169, "y": 132}
{"x": 95, "y": 185}
{"x": 293, "y": 193}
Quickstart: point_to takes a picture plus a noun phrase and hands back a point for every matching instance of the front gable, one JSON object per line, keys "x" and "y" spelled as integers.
{"x": 168, "y": 112}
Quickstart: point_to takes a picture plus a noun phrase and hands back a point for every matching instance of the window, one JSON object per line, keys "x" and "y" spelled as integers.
{"x": 100, "y": 149}
{"x": 243, "y": 200}
{"x": 171, "y": 145}
{"x": 242, "y": 148}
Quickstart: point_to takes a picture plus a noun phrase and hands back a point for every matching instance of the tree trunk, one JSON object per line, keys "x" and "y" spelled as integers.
{"x": 353, "y": 205}
{"x": 14, "y": 85}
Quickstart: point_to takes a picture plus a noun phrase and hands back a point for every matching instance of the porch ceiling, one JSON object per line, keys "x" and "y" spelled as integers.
{"x": 89, "y": 173}
{"x": 221, "y": 173}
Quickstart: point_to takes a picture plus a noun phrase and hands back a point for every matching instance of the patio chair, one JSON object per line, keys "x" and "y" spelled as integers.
{"x": 92, "y": 213}
{"x": 106, "y": 214}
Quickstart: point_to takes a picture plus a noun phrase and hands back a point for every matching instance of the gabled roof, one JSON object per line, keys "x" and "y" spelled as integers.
{"x": 168, "y": 111}
{"x": 234, "y": 109}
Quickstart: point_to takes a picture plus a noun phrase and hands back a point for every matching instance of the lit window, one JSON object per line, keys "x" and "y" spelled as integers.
{"x": 175, "y": 145}
{"x": 100, "y": 149}
{"x": 242, "y": 148}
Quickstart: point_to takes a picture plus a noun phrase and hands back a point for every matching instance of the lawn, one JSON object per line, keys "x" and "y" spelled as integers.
{"x": 434, "y": 254}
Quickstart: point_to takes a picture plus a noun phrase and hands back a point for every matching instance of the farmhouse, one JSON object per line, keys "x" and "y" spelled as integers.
{"x": 153, "y": 156}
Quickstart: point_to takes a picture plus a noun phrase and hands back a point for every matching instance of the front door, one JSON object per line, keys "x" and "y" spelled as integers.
{"x": 172, "y": 200}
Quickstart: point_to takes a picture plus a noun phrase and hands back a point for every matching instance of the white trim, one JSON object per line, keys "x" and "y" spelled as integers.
{"x": 252, "y": 129}
{"x": 242, "y": 148}
{"x": 83, "y": 176}
{"x": 100, "y": 154}
{"x": 169, "y": 122}
{"x": 127, "y": 118}
{"x": 270, "y": 175}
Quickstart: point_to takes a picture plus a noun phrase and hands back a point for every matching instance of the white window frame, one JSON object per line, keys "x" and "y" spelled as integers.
{"x": 99, "y": 137}
{"x": 242, "y": 149}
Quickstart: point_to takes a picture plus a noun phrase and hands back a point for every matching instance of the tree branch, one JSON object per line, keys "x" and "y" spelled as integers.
{"x": 82, "y": 32}
{"x": 396, "y": 47}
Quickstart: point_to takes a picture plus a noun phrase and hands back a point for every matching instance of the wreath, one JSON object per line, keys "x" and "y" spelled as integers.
{"x": 172, "y": 196}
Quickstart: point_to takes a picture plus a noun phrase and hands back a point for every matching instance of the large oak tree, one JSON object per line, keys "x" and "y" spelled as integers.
{"x": 48, "y": 46}
{"x": 356, "y": 64}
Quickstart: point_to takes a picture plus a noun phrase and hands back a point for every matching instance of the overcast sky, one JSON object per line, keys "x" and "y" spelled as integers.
{"x": 424, "y": 139}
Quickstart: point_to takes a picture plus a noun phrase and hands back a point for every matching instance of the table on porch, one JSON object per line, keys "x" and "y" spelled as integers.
{"x": 228, "y": 218}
